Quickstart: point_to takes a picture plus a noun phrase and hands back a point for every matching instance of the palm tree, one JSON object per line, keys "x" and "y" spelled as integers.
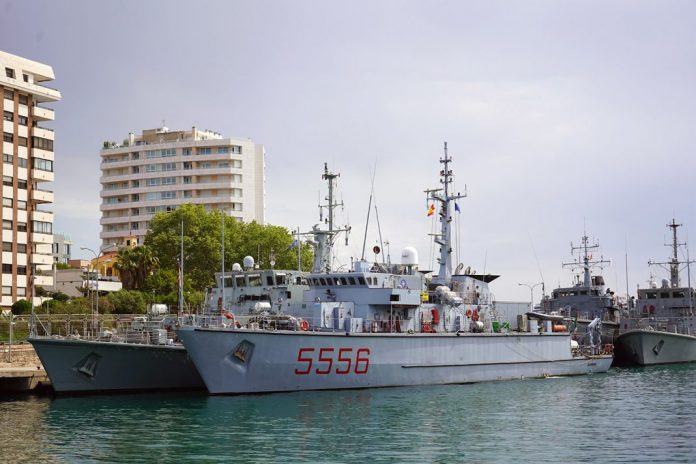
{"x": 135, "y": 265}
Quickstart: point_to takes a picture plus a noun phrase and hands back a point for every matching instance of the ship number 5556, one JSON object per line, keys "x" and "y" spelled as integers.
{"x": 341, "y": 361}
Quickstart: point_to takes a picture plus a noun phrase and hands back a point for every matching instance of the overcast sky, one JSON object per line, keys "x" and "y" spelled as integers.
{"x": 560, "y": 116}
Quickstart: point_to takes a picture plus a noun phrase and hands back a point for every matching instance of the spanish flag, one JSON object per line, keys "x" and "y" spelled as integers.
{"x": 431, "y": 210}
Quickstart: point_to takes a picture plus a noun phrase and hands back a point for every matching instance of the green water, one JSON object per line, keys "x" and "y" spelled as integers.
{"x": 626, "y": 415}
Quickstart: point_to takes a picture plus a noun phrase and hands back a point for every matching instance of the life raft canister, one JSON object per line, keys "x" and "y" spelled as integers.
{"x": 436, "y": 316}
{"x": 304, "y": 325}
{"x": 468, "y": 313}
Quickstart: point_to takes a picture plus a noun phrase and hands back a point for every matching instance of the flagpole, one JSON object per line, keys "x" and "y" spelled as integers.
{"x": 181, "y": 269}
{"x": 299, "y": 254}
{"x": 222, "y": 283}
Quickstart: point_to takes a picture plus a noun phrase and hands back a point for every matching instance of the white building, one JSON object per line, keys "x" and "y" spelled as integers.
{"x": 27, "y": 151}
{"x": 159, "y": 170}
{"x": 62, "y": 248}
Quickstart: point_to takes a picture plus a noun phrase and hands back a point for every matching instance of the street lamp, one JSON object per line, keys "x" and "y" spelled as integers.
{"x": 531, "y": 293}
{"x": 96, "y": 276}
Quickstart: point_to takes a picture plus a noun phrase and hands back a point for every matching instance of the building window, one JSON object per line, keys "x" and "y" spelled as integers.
{"x": 135, "y": 197}
{"x": 186, "y": 152}
{"x": 204, "y": 165}
{"x": 7, "y": 181}
{"x": 7, "y": 158}
{"x": 7, "y": 116}
{"x": 22, "y": 184}
{"x": 187, "y": 194}
{"x": 7, "y": 269}
{"x": 237, "y": 149}
{"x": 22, "y": 141}
{"x": 22, "y": 205}
{"x": 136, "y": 169}
{"x": 9, "y": 94}
{"x": 135, "y": 183}
{"x": 43, "y": 165}
{"x": 42, "y": 143}
{"x": 22, "y": 162}
{"x": 22, "y": 120}
{"x": 22, "y": 226}
{"x": 42, "y": 227}
{"x": 7, "y": 202}
{"x": 9, "y": 72}
{"x": 134, "y": 226}
{"x": 205, "y": 151}
{"x": 6, "y": 246}
{"x": 187, "y": 179}
{"x": 188, "y": 165}
{"x": 23, "y": 100}
{"x": 25, "y": 77}
{"x": 21, "y": 291}
{"x": 223, "y": 150}
{"x": 21, "y": 248}
{"x": 6, "y": 290}
{"x": 7, "y": 137}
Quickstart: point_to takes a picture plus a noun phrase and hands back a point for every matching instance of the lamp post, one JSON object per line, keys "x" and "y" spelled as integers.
{"x": 96, "y": 274}
{"x": 531, "y": 293}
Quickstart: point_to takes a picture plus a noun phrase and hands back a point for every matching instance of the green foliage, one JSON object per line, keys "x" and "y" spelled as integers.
{"x": 21, "y": 307}
{"x": 127, "y": 302}
{"x": 135, "y": 265}
{"x": 60, "y": 296}
{"x": 62, "y": 266}
{"x": 202, "y": 251}
{"x": 78, "y": 305}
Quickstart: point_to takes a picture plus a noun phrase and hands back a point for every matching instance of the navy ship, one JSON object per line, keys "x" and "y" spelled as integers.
{"x": 587, "y": 301}
{"x": 661, "y": 328}
{"x": 381, "y": 325}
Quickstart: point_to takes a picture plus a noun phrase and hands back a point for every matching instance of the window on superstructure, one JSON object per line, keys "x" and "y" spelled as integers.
{"x": 135, "y": 169}
{"x": 269, "y": 280}
{"x": 239, "y": 281}
{"x": 651, "y": 295}
{"x": 322, "y": 281}
{"x": 361, "y": 281}
{"x": 351, "y": 280}
{"x": 188, "y": 194}
{"x": 664, "y": 294}
{"x": 678, "y": 294}
{"x": 254, "y": 280}
{"x": 223, "y": 150}
{"x": 187, "y": 179}
{"x": 9, "y": 72}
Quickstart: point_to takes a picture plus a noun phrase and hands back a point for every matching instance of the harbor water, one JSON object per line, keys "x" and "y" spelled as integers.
{"x": 625, "y": 415}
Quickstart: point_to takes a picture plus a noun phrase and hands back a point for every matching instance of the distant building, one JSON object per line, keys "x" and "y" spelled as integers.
{"x": 73, "y": 282}
{"x": 27, "y": 151}
{"x": 62, "y": 248}
{"x": 160, "y": 170}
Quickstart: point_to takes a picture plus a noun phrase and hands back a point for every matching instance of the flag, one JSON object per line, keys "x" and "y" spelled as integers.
{"x": 431, "y": 210}
{"x": 456, "y": 208}
{"x": 292, "y": 245}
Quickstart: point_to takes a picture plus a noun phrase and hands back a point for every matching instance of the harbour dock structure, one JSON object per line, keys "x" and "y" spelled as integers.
{"x": 20, "y": 369}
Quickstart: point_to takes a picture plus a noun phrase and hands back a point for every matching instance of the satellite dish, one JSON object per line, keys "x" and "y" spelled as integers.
{"x": 376, "y": 249}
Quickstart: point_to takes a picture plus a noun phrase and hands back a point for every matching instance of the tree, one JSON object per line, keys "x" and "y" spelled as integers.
{"x": 63, "y": 266}
{"x": 21, "y": 307}
{"x": 134, "y": 265}
{"x": 127, "y": 302}
{"x": 202, "y": 250}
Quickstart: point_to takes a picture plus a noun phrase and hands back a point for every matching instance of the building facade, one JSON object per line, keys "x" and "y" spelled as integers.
{"x": 62, "y": 248}
{"x": 27, "y": 167}
{"x": 161, "y": 169}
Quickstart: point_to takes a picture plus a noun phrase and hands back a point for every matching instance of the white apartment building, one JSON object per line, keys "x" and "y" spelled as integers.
{"x": 27, "y": 151}
{"x": 161, "y": 169}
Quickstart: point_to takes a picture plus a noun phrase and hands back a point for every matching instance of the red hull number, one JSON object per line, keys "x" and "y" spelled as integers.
{"x": 325, "y": 361}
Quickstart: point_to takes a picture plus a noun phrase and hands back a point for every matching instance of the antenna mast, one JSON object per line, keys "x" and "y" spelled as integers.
{"x": 585, "y": 260}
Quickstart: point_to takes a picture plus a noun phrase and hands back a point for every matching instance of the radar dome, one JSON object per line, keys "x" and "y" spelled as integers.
{"x": 236, "y": 267}
{"x": 248, "y": 262}
{"x": 409, "y": 256}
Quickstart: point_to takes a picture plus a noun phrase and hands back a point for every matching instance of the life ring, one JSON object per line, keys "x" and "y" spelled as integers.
{"x": 304, "y": 325}
{"x": 468, "y": 313}
{"x": 474, "y": 315}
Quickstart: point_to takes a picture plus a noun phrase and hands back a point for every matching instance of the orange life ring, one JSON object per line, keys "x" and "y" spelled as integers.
{"x": 304, "y": 325}
{"x": 468, "y": 313}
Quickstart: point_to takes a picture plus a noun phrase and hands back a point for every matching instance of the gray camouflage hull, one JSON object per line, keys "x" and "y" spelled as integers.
{"x": 252, "y": 361}
{"x": 649, "y": 347}
{"x": 78, "y": 366}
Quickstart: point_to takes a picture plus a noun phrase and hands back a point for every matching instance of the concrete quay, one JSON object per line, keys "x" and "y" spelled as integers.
{"x": 21, "y": 370}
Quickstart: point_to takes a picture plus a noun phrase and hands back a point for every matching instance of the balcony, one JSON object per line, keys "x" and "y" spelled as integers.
{"x": 42, "y": 196}
{"x": 42, "y": 238}
{"x": 43, "y": 216}
{"x": 43, "y": 132}
{"x": 41, "y": 93}
{"x": 43, "y": 280}
{"x": 117, "y": 220}
{"x": 41, "y": 175}
{"x": 41, "y": 259}
{"x": 43, "y": 114}
{"x": 43, "y": 154}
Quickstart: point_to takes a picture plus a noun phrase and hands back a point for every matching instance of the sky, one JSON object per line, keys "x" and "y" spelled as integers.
{"x": 561, "y": 116}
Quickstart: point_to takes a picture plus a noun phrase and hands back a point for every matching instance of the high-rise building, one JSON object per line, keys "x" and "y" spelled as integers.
{"x": 161, "y": 169}
{"x": 62, "y": 248}
{"x": 27, "y": 152}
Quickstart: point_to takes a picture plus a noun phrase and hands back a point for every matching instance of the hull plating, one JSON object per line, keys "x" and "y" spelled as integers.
{"x": 248, "y": 361}
{"x": 649, "y": 347}
{"x": 91, "y": 366}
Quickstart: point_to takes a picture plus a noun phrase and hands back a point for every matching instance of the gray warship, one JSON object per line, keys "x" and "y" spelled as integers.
{"x": 587, "y": 300}
{"x": 381, "y": 325}
{"x": 661, "y": 328}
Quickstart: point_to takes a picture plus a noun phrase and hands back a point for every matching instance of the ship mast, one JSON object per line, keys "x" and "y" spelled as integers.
{"x": 585, "y": 261}
{"x": 444, "y": 238}
{"x": 323, "y": 253}
{"x": 674, "y": 261}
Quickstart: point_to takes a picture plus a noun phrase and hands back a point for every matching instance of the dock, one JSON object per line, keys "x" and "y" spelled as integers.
{"x": 21, "y": 370}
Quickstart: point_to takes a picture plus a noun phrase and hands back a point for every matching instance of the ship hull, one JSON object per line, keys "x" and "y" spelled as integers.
{"x": 79, "y": 366}
{"x": 650, "y": 347}
{"x": 248, "y": 361}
